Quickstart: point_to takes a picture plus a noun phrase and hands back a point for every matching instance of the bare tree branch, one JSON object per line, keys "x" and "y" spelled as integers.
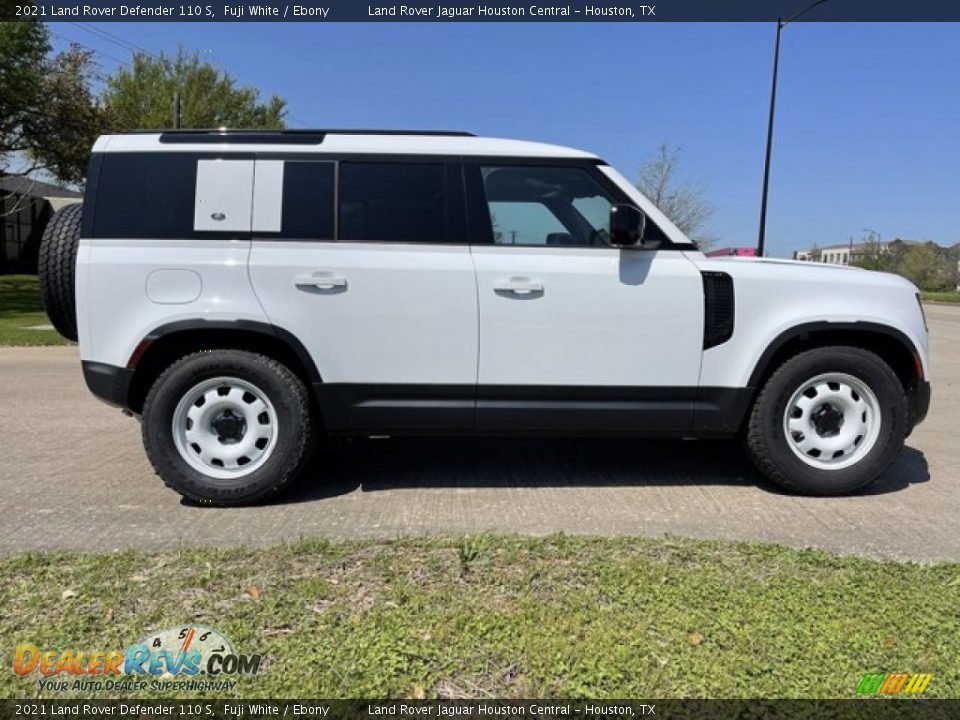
{"x": 684, "y": 202}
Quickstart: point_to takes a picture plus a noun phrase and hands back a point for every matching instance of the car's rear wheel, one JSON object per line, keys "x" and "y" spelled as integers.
{"x": 829, "y": 421}
{"x": 227, "y": 427}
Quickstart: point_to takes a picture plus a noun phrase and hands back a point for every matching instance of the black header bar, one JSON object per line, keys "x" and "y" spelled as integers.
{"x": 473, "y": 11}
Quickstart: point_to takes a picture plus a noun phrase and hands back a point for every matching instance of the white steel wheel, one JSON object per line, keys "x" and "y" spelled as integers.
{"x": 832, "y": 421}
{"x": 225, "y": 427}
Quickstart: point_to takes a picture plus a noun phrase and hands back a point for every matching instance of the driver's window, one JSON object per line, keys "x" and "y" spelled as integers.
{"x": 524, "y": 223}
{"x": 561, "y": 206}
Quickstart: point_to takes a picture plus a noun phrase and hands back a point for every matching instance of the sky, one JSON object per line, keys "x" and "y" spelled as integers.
{"x": 868, "y": 115}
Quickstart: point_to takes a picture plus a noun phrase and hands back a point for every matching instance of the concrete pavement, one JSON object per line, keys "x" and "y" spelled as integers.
{"x": 73, "y": 476}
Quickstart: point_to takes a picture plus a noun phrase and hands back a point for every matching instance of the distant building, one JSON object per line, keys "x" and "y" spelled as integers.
{"x": 25, "y": 207}
{"x": 842, "y": 254}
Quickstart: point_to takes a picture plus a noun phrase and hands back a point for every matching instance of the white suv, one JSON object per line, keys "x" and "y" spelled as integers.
{"x": 245, "y": 292}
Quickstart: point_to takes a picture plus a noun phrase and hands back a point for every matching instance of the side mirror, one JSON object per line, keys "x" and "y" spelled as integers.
{"x": 626, "y": 225}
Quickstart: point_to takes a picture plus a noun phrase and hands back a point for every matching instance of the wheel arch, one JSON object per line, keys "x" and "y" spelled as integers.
{"x": 167, "y": 343}
{"x": 887, "y": 342}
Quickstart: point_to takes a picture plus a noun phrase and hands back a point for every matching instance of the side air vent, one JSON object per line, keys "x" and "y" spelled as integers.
{"x": 718, "y": 308}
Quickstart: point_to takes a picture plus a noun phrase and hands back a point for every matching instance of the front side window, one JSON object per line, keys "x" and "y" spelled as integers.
{"x": 400, "y": 202}
{"x": 546, "y": 206}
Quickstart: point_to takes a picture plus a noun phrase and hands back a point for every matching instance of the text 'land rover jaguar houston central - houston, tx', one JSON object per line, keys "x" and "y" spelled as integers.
{"x": 245, "y": 292}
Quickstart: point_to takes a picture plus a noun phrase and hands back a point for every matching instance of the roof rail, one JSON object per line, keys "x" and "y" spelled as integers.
{"x": 295, "y": 136}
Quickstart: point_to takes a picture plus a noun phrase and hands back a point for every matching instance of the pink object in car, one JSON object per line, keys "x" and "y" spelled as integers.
{"x": 741, "y": 251}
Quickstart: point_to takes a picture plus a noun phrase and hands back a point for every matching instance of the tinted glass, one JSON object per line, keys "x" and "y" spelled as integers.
{"x": 546, "y": 206}
{"x": 402, "y": 202}
{"x": 524, "y": 223}
{"x": 146, "y": 195}
{"x": 307, "y": 200}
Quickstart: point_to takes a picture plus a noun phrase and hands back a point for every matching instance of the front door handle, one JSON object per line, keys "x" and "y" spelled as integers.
{"x": 518, "y": 286}
{"x": 320, "y": 281}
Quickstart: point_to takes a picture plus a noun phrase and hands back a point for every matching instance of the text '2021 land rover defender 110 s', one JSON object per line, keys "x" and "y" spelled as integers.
{"x": 245, "y": 291}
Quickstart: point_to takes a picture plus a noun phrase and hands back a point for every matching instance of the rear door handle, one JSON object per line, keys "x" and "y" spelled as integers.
{"x": 518, "y": 286}
{"x": 321, "y": 281}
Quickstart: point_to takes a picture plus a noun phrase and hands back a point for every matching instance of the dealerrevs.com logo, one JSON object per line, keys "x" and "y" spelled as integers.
{"x": 166, "y": 659}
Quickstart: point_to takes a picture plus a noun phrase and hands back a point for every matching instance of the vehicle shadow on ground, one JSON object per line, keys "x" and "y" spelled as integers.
{"x": 342, "y": 466}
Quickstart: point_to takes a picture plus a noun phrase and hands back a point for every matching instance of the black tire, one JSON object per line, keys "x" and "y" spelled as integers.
{"x": 770, "y": 448}
{"x": 58, "y": 269}
{"x": 282, "y": 388}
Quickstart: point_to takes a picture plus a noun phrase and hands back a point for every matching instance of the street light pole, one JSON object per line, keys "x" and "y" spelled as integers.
{"x": 766, "y": 162}
{"x": 781, "y": 24}
{"x": 176, "y": 109}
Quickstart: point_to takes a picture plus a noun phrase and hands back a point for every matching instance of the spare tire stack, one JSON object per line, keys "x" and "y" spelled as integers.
{"x": 58, "y": 269}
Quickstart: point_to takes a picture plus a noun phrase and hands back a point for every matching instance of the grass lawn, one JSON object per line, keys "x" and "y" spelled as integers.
{"x": 20, "y": 308}
{"x": 507, "y": 616}
{"x": 950, "y": 297}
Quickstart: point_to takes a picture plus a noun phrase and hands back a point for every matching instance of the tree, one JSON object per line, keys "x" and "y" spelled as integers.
{"x": 871, "y": 254}
{"x": 684, "y": 202}
{"x": 49, "y": 117}
{"x": 927, "y": 268}
{"x": 953, "y": 258}
{"x": 142, "y": 96}
{"x": 895, "y": 253}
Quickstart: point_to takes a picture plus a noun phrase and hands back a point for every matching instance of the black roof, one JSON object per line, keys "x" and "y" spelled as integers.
{"x": 298, "y": 136}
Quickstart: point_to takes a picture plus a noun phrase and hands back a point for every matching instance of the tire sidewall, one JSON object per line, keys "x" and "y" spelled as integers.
{"x": 285, "y": 393}
{"x": 57, "y": 269}
{"x": 870, "y": 370}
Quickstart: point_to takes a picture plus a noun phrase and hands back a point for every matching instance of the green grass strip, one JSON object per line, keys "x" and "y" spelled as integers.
{"x": 506, "y": 616}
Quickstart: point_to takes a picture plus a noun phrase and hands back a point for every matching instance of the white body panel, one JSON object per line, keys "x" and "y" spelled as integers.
{"x": 378, "y": 312}
{"x": 773, "y": 296}
{"x": 114, "y": 310}
{"x": 268, "y": 196}
{"x": 598, "y": 320}
{"x": 223, "y": 195}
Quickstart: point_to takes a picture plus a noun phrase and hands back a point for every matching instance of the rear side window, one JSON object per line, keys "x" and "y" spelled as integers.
{"x": 307, "y": 200}
{"x": 401, "y": 202}
{"x": 146, "y": 195}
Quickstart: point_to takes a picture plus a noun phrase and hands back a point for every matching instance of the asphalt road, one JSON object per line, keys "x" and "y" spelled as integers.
{"x": 73, "y": 476}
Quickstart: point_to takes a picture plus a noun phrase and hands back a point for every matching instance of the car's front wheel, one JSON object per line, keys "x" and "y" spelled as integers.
{"x": 227, "y": 427}
{"x": 829, "y": 421}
